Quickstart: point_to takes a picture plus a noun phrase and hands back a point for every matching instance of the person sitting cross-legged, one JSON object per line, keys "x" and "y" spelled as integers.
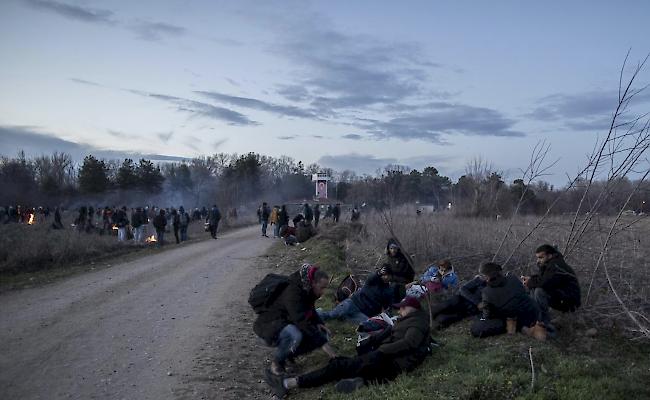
{"x": 504, "y": 301}
{"x": 375, "y": 295}
{"x": 402, "y": 351}
{"x": 459, "y": 306}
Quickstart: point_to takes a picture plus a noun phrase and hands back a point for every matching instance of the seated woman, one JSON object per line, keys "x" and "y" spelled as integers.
{"x": 434, "y": 279}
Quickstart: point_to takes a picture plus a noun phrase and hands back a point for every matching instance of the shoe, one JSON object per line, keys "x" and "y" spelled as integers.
{"x": 276, "y": 383}
{"x": 349, "y": 385}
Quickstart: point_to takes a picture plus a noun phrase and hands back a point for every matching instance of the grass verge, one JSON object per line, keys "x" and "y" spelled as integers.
{"x": 573, "y": 366}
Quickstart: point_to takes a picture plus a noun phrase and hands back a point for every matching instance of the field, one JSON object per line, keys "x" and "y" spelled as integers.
{"x": 597, "y": 353}
{"x": 34, "y": 254}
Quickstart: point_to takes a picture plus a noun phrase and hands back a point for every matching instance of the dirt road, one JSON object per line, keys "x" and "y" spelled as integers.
{"x": 167, "y": 326}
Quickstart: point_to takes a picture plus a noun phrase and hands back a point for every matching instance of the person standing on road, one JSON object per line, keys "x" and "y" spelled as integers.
{"x": 284, "y": 216}
{"x": 308, "y": 213}
{"x": 265, "y": 213}
{"x": 159, "y": 223}
{"x": 275, "y": 219}
{"x": 176, "y": 224}
{"x": 213, "y": 221}
{"x": 316, "y": 215}
{"x": 336, "y": 212}
{"x": 138, "y": 221}
{"x": 185, "y": 222}
{"x": 122, "y": 222}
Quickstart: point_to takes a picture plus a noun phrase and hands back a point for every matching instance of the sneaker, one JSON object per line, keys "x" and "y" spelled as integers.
{"x": 349, "y": 385}
{"x": 276, "y": 383}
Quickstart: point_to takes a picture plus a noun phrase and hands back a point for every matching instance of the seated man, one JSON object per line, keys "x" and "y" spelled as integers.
{"x": 402, "y": 351}
{"x": 503, "y": 298}
{"x": 460, "y": 306}
{"x": 288, "y": 233}
{"x": 375, "y": 295}
{"x": 555, "y": 286}
{"x": 291, "y": 323}
{"x": 304, "y": 231}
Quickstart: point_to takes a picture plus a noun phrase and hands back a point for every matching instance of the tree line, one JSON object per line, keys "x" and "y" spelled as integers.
{"x": 232, "y": 180}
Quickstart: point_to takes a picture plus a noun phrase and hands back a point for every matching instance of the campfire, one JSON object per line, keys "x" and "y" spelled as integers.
{"x": 31, "y": 219}
{"x": 115, "y": 228}
{"x": 151, "y": 239}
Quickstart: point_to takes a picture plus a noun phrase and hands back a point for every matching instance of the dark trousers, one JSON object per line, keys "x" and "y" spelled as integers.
{"x": 482, "y": 328}
{"x": 213, "y": 229}
{"x": 370, "y": 367}
{"x": 453, "y": 310}
{"x": 178, "y": 240}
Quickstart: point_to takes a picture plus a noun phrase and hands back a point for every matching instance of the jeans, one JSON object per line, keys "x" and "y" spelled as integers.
{"x": 542, "y": 299}
{"x": 276, "y": 230}
{"x": 288, "y": 343}
{"x": 345, "y": 310}
{"x": 265, "y": 224}
{"x": 138, "y": 235}
{"x": 160, "y": 233}
{"x": 121, "y": 234}
{"x": 183, "y": 233}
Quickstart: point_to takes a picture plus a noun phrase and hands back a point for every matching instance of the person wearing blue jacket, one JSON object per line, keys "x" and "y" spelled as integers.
{"x": 443, "y": 273}
{"x": 375, "y": 296}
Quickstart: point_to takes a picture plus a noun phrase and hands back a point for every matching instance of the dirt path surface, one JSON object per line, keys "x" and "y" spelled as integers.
{"x": 168, "y": 326}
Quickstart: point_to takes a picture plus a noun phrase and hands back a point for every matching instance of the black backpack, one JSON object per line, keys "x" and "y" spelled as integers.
{"x": 265, "y": 292}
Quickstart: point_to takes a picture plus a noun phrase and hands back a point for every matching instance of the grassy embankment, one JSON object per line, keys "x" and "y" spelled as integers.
{"x": 573, "y": 366}
{"x": 32, "y": 255}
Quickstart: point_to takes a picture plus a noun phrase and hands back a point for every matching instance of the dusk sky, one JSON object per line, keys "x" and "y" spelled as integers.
{"x": 350, "y": 85}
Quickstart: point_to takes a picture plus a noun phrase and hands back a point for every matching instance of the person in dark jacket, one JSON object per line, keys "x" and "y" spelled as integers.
{"x": 176, "y": 224}
{"x": 57, "y": 224}
{"x": 460, "y": 306}
{"x": 373, "y": 297}
{"x": 400, "y": 267}
{"x": 503, "y": 298}
{"x": 288, "y": 234}
{"x": 283, "y": 217}
{"x": 402, "y": 351}
{"x": 159, "y": 223}
{"x": 356, "y": 214}
{"x": 308, "y": 213}
{"x": 556, "y": 285}
{"x": 291, "y": 323}
{"x": 184, "y": 222}
{"x": 138, "y": 221}
{"x": 336, "y": 212}
{"x": 316, "y": 215}
{"x": 265, "y": 213}
{"x": 213, "y": 218}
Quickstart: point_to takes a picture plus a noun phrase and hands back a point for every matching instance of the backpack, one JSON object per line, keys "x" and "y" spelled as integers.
{"x": 346, "y": 288}
{"x": 265, "y": 292}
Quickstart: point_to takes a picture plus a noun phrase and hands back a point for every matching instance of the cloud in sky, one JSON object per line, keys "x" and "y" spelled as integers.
{"x": 585, "y": 111}
{"x": 36, "y": 143}
{"x": 256, "y": 104}
{"x": 156, "y": 31}
{"x": 74, "y": 11}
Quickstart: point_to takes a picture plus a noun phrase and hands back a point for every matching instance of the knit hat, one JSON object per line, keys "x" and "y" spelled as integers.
{"x": 409, "y": 301}
{"x": 490, "y": 269}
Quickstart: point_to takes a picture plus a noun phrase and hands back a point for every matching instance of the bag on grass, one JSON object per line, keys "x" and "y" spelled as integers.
{"x": 347, "y": 286}
{"x": 265, "y": 292}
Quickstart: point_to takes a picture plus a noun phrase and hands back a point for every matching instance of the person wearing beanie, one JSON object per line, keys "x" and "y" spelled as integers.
{"x": 504, "y": 298}
{"x": 291, "y": 324}
{"x": 402, "y": 351}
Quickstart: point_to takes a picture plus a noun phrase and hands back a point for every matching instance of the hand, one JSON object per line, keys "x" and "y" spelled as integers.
{"x": 525, "y": 279}
{"x": 324, "y": 329}
{"x": 382, "y": 271}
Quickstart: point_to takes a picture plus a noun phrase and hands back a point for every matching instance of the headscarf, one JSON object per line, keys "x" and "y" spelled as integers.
{"x": 307, "y": 272}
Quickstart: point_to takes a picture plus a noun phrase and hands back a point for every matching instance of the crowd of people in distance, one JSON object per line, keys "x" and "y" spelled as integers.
{"x": 127, "y": 224}
{"x": 391, "y": 343}
{"x": 303, "y": 225}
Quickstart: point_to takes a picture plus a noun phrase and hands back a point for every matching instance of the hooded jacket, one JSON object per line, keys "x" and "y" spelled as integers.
{"x": 374, "y": 295}
{"x": 399, "y": 266}
{"x": 559, "y": 280}
{"x": 408, "y": 337}
{"x": 506, "y": 297}
{"x": 295, "y": 305}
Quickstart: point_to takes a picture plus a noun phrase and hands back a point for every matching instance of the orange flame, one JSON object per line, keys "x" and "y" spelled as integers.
{"x": 31, "y": 219}
{"x": 151, "y": 239}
